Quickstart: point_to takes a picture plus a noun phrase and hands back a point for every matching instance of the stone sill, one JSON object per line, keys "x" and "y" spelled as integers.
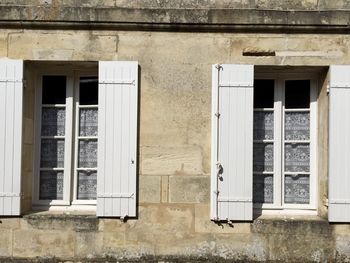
{"x": 48, "y": 220}
{"x": 190, "y": 19}
{"x": 292, "y": 225}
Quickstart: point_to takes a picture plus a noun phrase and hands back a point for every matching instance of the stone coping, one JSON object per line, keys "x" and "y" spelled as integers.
{"x": 174, "y": 19}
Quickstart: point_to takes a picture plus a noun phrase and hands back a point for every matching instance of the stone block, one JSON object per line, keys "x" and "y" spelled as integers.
{"x": 28, "y": 131}
{"x": 9, "y": 223}
{"x": 149, "y": 189}
{"x": 171, "y": 160}
{"x": 300, "y": 247}
{"x": 165, "y": 189}
{"x": 5, "y": 242}
{"x": 342, "y": 248}
{"x": 111, "y": 225}
{"x": 27, "y": 161}
{"x": 189, "y": 189}
{"x": 241, "y": 247}
{"x": 203, "y": 224}
{"x": 160, "y": 224}
{"x": 88, "y": 244}
{"x": 113, "y": 239}
{"x": 38, "y": 45}
{"x": 43, "y": 243}
{"x": 341, "y": 230}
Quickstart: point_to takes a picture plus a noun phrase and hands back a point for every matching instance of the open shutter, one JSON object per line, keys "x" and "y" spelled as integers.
{"x": 117, "y": 138}
{"x": 232, "y": 142}
{"x": 11, "y": 101}
{"x": 339, "y": 144}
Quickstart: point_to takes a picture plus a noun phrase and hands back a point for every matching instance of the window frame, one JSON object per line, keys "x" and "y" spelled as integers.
{"x": 69, "y": 201}
{"x": 278, "y": 204}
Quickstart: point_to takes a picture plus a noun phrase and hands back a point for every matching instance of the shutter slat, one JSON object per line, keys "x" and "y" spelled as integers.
{"x": 117, "y": 149}
{"x": 234, "y": 145}
{"x": 339, "y": 144}
{"x": 11, "y": 92}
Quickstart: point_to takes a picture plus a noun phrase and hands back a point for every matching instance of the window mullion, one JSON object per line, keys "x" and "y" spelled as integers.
{"x": 278, "y": 143}
{"x": 76, "y": 138}
{"x": 68, "y": 140}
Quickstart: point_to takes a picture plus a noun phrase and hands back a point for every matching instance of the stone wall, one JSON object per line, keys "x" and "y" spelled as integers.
{"x": 174, "y": 146}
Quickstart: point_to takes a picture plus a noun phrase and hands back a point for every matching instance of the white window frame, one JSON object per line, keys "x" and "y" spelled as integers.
{"x": 278, "y": 205}
{"x": 69, "y": 201}
{"x": 77, "y": 76}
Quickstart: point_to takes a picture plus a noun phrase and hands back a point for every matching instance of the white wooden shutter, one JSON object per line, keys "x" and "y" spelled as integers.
{"x": 339, "y": 144}
{"x": 117, "y": 138}
{"x": 232, "y": 142}
{"x": 11, "y": 101}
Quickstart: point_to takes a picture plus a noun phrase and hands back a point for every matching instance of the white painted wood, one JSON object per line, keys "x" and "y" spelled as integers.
{"x": 339, "y": 144}
{"x": 11, "y": 106}
{"x": 117, "y": 137}
{"x": 232, "y": 142}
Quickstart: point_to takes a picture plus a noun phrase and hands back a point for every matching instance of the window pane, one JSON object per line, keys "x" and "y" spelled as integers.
{"x": 88, "y": 122}
{"x": 52, "y": 153}
{"x": 53, "y": 121}
{"x": 297, "y": 125}
{"x": 87, "y": 153}
{"x": 296, "y": 189}
{"x": 297, "y": 94}
{"x": 54, "y": 90}
{"x": 51, "y": 185}
{"x": 263, "y": 157}
{"x": 264, "y": 93}
{"x": 88, "y": 91}
{"x": 87, "y": 183}
{"x": 297, "y": 157}
{"x": 263, "y": 125}
{"x": 263, "y": 189}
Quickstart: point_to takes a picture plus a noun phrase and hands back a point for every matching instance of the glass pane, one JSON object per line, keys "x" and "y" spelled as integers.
{"x": 53, "y": 121}
{"x": 54, "y": 90}
{"x": 297, "y": 125}
{"x": 87, "y": 154}
{"x": 52, "y": 153}
{"x": 51, "y": 185}
{"x": 263, "y": 189}
{"x": 297, "y": 94}
{"x": 297, "y": 157}
{"x": 296, "y": 189}
{"x": 263, "y": 125}
{"x": 263, "y": 157}
{"x": 264, "y": 93}
{"x": 88, "y": 91}
{"x": 88, "y": 122}
{"x": 87, "y": 183}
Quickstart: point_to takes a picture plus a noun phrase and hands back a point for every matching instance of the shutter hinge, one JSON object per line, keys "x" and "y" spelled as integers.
{"x": 328, "y": 88}
{"x": 124, "y": 218}
{"x": 217, "y": 114}
{"x": 219, "y": 170}
{"x": 218, "y": 67}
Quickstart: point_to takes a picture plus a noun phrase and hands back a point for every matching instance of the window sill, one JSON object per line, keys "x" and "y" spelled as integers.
{"x": 283, "y": 224}
{"x": 63, "y": 220}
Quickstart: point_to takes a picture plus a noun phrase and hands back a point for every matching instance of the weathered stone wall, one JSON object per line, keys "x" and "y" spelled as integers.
{"x": 175, "y": 109}
{"x": 174, "y": 185}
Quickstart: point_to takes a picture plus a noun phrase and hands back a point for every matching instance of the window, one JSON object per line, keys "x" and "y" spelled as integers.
{"x": 66, "y": 136}
{"x": 263, "y": 141}
{"x": 284, "y": 140}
